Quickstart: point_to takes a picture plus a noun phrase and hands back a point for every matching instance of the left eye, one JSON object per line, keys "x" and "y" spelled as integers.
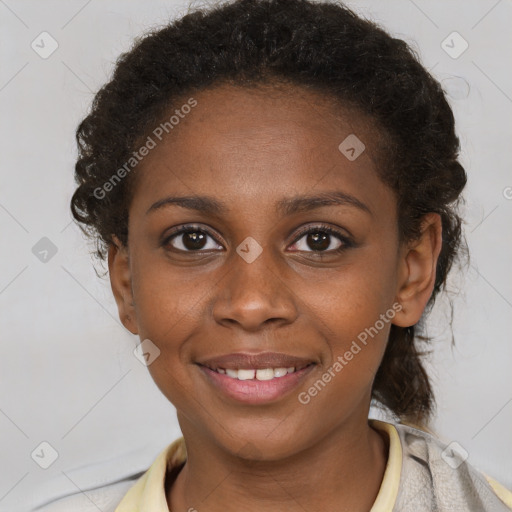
{"x": 321, "y": 240}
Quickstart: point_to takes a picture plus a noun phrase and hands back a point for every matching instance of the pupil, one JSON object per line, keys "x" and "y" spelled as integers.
{"x": 313, "y": 240}
{"x": 194, "y": 240}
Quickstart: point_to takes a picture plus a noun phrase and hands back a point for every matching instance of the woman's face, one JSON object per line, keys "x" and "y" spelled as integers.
{"x": 245, "y": 281}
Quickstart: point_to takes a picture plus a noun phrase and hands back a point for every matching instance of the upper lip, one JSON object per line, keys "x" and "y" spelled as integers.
{"x": 262, "y": 360}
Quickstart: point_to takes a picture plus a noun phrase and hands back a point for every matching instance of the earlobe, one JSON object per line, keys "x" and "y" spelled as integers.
{"x": 120, "y": 282}
{"x": 417, "y": 271}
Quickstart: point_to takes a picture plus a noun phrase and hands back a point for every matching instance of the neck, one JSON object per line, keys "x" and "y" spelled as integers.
{"x": 343, "y": 472}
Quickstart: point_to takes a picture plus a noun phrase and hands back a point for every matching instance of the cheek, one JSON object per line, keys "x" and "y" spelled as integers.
{"x": 352, "y": 298}
{"x": 355, "y": 321}
{"x": 353, "y": 310}
{"x": 172, "y": 308}
{"x": 167, "y": 301}
{"x": 358, "y": 330}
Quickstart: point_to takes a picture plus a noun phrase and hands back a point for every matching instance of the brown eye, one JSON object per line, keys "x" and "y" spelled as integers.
{"x": 319, "y": 239}
{"x": 191, "y": 240}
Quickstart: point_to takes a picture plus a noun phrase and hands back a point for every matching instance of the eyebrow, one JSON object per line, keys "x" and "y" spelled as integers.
{"x": 287, "y": 206}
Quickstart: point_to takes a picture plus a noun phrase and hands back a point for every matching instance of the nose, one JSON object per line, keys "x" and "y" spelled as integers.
{"x": 254, "y": 295}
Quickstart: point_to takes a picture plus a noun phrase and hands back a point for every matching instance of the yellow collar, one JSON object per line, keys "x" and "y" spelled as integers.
{"x": 148, "y": 493}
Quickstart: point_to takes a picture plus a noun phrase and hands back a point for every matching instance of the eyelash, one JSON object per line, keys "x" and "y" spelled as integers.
{"x": 323, "y": 228}
{"x": 320, "y": 228}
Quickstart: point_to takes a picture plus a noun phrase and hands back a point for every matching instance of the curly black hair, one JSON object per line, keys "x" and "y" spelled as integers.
{"x": 322, "y": 46}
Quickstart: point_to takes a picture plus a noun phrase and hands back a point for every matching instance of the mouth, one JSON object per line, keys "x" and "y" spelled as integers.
{"x": 255, "y": 378}
{"x": 257, "y": 373}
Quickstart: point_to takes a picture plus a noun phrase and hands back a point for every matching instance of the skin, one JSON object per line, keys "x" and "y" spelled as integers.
{"x": 250, "y": 149}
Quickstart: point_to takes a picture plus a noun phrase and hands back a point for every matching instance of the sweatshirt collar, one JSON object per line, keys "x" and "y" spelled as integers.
{"x": 148, "y": 493}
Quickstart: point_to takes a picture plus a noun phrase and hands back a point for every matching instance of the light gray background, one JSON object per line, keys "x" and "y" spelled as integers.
{"x": 68, "y": 373}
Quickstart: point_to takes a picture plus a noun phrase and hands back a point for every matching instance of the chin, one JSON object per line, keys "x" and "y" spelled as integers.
{"x": 256, "y": 443}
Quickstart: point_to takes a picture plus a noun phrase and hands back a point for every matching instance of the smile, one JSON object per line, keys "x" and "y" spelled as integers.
{"x": 256, "y": 373}
{"x": 255, "y": 386}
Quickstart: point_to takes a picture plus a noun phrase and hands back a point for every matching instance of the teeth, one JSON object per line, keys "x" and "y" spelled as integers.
{"x": 258, "y": 374}
{"x": 264, "y": 374}
{"x": 281, "y": 372}
{"x": 246, "y": 374}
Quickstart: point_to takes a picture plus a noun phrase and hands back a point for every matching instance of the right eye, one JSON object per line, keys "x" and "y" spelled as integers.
{"x": 190, "y": 239}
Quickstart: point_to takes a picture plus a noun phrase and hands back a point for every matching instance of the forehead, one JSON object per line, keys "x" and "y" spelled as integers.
{"x": 248, "y": 145}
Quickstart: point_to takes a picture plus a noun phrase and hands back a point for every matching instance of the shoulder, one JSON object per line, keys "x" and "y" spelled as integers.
{"x": 129, "y": 493}
{"x": 438, "y": 476}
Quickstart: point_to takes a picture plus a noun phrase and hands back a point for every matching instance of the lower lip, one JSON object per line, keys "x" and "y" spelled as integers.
{"x": 256, "y": 391}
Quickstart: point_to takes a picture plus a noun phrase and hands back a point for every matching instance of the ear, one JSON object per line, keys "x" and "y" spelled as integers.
{"x": 121, "y": 283}
{"x": 417, "y": 271}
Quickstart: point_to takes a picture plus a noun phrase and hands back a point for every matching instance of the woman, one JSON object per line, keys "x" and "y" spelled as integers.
{"x": 275, "y": 185}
